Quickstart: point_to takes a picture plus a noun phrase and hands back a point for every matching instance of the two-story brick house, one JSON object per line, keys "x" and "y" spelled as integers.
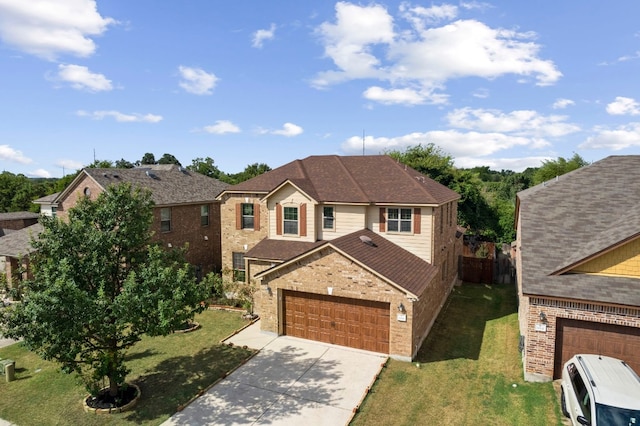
{"x": 185, "y": 211}
{"x": 357, "y": 251}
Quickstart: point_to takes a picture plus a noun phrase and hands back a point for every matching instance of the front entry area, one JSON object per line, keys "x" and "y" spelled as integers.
{"x": 361, "y": 324}
{"x": 585, "y": 337}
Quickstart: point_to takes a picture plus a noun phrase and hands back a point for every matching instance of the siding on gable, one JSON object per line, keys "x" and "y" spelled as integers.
{"x": 418, "y": 244}
{"x": 289, "y": 196}
{"x": 622, "y": 262}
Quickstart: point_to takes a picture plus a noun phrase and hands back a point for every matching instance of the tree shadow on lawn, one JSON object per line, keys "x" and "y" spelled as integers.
{"x": 460, "y": 327}
{"x": 176, "y": 380}
{"x": 270, "y": 387}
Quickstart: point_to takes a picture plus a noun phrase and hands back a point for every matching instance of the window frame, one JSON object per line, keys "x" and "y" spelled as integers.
{"x": 398, "y": 221}
{"x": 165, "y": 224}
{"x": 247, "y": 221}
{"x": 238, "y": 266}
{"x": 326, "y": 218}
{"x": 205, "y": 218}
{"x": 286, "y": 221}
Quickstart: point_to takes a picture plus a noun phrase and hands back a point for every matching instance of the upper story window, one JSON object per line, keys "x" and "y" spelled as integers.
{"x": 248, "y": 216}
{"x": 290, "y": 220}
{"x": 328, "y": 218}
{"x": 204, "y": 215}
{"x": 165, "y": 219}
{"x": 399, "y": 220}
{"x": 54, "y": 211}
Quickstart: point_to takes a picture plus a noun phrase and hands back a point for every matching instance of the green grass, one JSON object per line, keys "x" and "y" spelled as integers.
{"x": 169, "y": 371}
{"x": 468, "y": 371}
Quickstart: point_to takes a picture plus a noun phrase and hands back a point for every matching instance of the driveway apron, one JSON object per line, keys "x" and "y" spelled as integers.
{"x": 290, "y": 381}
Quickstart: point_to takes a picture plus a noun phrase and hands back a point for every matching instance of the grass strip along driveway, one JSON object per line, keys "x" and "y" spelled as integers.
{"x": 169, "y": 371}
{"x": 468, "y": 371}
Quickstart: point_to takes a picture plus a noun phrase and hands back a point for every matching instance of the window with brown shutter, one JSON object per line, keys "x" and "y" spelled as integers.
{"x": 383, "y": 219}
{"x": 416, "y": 220}
{"x": 238, "y": 216}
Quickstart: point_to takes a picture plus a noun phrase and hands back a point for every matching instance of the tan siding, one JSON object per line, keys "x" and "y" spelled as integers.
{"x": 348, "y": 219}
{"x": 288, "y": 196}
{"x": 418, "y": 244}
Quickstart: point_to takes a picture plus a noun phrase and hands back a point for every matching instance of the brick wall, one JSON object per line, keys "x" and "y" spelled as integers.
{"x": 202, "y": 242}
{"x": 539, "y": 353}
{"x": 239, "y": 240}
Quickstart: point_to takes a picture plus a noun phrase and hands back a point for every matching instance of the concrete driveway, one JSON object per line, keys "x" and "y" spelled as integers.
{"x": 289, "y": 382}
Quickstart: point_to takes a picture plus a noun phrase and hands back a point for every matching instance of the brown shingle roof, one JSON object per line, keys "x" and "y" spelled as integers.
{"x": 397, "y": 265}
{"x": 574, "y": 218}
{"x": 169, "y": 184}
{"x": 353, "y": 179}
{"x": 18, "y": 215}
{"x": 18, "y": 243}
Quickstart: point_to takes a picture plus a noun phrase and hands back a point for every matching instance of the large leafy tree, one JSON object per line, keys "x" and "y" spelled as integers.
{"x": 551, "y": 169}
{"x": 428, "y": 159}
{"x": 99, "y": 285}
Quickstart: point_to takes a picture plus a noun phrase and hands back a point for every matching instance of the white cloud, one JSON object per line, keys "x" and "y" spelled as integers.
{"x": 562, "y": 103}
{"x": 288, "y": 130}
{"x": 515, "y": 164}
{"x": 40, "y": 173}
{"x": 80, "y": 78}
{"x": 366, "y": 43}
{"x": 458, "y": 144}
{"x": 261, "y": 35}
{"x": 625, "y": 136}
{"x": 69, "y": 164}
{"x": 221, "y": 127}
{"x": 481, "y": 93}
{"x": 520, "y": 122}
{"x": 48, "y": 29}
{"x": 405, "y": 96}
{"x": 9, "y": 154}
{"x": 623, "y": 106}
{"x": 120, "y": 117}
{"x": 197, "y": 81}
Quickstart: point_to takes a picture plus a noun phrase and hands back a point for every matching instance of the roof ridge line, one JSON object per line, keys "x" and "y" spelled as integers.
{"x": 351, "y": 178}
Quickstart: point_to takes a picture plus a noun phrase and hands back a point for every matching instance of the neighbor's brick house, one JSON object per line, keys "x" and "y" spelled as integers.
{"x": 578, "y": 266}
{"x": 357, "y": 251}
{"x": 185, "y": 211}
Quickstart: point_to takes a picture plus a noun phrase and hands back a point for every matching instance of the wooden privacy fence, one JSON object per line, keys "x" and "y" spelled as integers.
{"x": 476, "y": 270}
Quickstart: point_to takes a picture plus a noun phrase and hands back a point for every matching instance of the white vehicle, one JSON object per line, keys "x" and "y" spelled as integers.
{"x": 600, "y": 391}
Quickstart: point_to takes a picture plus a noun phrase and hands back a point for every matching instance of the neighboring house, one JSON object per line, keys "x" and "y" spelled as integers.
{"x": 48, "y": 205}
{"x": 357, "y": 251}
{"x": 578, "y": 266}
{"x": 185, "y": 212}
{"x": 14, "y": 221}
{"x": 15, "y": 249}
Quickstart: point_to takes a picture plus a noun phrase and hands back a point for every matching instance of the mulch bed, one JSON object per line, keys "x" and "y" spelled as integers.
{"x": 103, "y": 400}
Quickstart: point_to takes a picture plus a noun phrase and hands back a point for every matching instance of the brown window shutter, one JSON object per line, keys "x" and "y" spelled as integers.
{"x": 256, "y": 217}
{"x": 416, "y": 220}
{"x": 238, "y": 216}
{"x": 278, "y": 219}
{"x": 383, "y": 219}
{"x": 303, "y": 220}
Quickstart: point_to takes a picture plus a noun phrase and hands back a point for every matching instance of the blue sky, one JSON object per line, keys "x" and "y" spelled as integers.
{"x": 504, "y": 84}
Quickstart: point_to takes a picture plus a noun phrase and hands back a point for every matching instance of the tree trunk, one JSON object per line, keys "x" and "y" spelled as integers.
{"x": 113, "y": 386}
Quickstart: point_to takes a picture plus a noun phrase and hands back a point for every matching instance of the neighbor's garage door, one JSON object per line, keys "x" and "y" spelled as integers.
{"x": 576, "y": 337}
{"x": 361, "y": 324}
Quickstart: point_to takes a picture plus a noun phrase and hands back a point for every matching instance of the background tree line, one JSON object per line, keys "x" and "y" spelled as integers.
{"x": 486, "y": 207}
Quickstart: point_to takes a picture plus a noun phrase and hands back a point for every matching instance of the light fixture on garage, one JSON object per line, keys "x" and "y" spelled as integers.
{"x": 543, "y": 317}
{"x": 401, "y": 308}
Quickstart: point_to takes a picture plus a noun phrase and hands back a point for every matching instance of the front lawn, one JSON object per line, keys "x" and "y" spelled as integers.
{"x": 468, "y": 371}
{"x": 169, "y": 371}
